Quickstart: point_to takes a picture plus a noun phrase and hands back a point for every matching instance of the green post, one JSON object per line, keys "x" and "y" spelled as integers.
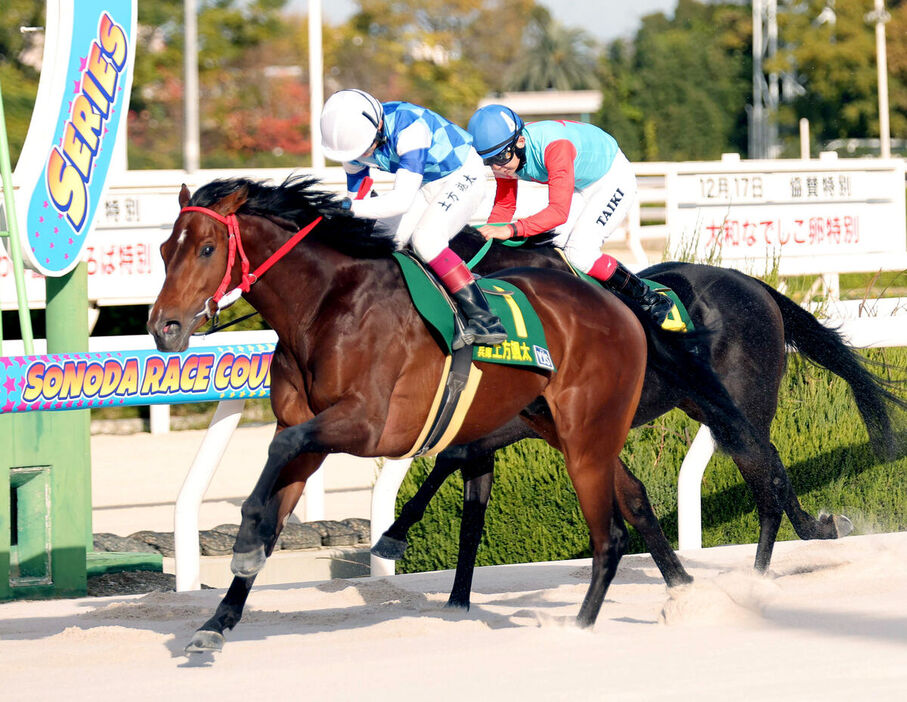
{"x": 45, "y": 531}
{"x": 6, "y": 439}
{"x": 67, "y": 332}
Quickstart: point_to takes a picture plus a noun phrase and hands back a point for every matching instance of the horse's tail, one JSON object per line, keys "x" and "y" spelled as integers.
{"x": 826, "y": 347}
{"x": 674, "y": 357}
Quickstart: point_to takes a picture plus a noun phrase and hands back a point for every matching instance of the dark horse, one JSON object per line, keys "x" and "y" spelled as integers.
{"x": 355, "y": 368}
{"x": 750, "y": 324}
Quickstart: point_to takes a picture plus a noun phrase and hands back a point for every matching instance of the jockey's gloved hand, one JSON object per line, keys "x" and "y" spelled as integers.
{"x": 340, "y": 208}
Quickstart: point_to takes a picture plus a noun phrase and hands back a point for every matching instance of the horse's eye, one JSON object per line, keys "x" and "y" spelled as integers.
{"x": 207, "y": 250}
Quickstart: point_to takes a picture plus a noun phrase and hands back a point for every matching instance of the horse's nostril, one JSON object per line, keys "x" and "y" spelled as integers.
{"x": 170, "y": 328}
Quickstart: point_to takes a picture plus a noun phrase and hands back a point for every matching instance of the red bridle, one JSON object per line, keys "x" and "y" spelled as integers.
{"x": 221, "y": 298}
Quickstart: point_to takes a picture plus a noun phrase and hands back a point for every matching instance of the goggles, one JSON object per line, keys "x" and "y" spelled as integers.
{"x": 502, "y": 157}
{"x": 380, "y": 138}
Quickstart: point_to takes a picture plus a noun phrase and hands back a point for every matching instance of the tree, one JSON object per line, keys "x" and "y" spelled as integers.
{"x": 897, "y": 66}
{"x": 835, "y": 63}
{"x": 19, "y": 79}
{"x": 553, "y": 57}
{"x": 444, "y": 55}
{"x": 679, "y": 91}
{"x": 242, "y": 122}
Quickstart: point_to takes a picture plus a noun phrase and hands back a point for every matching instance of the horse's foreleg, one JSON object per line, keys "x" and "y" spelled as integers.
{"x": 635, "y": 507}
{"x": 209, "y": 637}
{"x": 293, "y": 444}
{"x": 478, "y": 478}
{"x": 291, "y": 482}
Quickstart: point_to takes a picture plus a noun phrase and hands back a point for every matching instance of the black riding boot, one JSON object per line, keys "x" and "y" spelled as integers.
{"x": 482, "y": 327}
{"x": 657, "y": 305}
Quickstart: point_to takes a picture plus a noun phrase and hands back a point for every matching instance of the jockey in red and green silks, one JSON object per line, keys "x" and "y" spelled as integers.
{"x": 591, "y": 189}
{"x": 439, "y": 183}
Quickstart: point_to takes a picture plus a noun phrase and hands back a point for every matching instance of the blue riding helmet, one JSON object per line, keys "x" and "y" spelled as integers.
{"x": 494, "y": 128}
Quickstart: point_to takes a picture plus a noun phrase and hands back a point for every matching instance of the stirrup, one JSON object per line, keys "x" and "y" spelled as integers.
{"x": 490, "y": 335}
{"x": 671, "y": 321}
{"x": 463, "y": 335}
{"x": 489, "y": 339}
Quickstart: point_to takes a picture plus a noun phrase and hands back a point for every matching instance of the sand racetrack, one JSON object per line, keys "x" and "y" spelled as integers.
{"x": 830, "y": 622}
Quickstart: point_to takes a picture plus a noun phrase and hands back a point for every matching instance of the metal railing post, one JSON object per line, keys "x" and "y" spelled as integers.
{"x": 12, "y": 234}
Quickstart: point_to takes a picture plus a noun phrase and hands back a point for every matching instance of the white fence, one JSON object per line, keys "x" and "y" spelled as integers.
{"x": 860, "y": 332}
{"x": 139, "y": 208}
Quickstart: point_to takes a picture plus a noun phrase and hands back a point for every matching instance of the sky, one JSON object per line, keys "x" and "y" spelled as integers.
{"x": 603, "y": 19}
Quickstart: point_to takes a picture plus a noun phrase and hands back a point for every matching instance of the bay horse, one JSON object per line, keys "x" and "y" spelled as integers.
{"x": 355, "y": 368}
{"x": 750, "y": 324}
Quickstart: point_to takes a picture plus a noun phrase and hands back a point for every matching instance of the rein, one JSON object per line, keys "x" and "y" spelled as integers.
{"x": 221, "y": 298}
{"x": 480, "y": 254}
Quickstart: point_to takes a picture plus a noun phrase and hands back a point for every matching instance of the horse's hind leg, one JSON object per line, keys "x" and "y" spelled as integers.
{"x": 826, "y": 526}
{"x": 478, "y": 478}
{"x": 392, "y": 544}
{"x": 634, "y": 505}
{"x": 770, "y": 485}
{"x": 594, "y": 484}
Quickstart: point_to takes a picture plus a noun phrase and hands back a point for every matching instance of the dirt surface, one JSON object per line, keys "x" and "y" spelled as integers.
{"x": 827, "y": 623}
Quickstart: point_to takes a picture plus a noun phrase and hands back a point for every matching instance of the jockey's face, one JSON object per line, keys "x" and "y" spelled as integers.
{"x": 379, "y": 139}
{"x": 509, "y": 169}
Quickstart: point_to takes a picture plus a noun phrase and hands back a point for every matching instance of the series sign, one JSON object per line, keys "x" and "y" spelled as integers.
{"x": 83, "y": 97}
{"x": 800, "y": 213}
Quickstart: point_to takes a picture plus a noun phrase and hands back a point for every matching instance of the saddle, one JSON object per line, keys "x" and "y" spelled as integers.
{"x": 525, "y": 346}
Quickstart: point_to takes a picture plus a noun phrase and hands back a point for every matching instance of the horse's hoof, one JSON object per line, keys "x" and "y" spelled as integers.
{"x": 245, "y": 565}
{"x": 389, "y": 547}
{"x": 206, "y": 641}
{"x": 454, "y": 604}
{"x": 843, "y": 526}
{"x": 678, "y": 579}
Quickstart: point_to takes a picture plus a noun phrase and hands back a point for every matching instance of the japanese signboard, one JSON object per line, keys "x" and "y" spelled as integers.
{"x": 809, "y": 216}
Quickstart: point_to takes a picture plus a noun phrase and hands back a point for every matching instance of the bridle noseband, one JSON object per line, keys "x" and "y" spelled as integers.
{"x": 221, "y": 298}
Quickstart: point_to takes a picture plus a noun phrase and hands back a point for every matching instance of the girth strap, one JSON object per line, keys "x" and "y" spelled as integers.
{"x": 456, "y": 391}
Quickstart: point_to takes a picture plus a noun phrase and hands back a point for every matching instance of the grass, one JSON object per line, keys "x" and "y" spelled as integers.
{"x": 534, "y": 514}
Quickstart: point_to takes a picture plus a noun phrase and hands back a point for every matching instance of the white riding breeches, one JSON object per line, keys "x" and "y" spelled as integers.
{"x": 596, "y": 212}
{"x": 441, "y": 209}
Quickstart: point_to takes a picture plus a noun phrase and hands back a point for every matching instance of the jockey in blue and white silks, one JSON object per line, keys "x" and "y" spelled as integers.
{"x": 439, "y": 183}
{"x": 591, "y": 189}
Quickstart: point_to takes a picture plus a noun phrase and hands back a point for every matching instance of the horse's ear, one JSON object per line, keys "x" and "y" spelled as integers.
{"x": 184, "y": 196}
{"x": 232, "y": 202}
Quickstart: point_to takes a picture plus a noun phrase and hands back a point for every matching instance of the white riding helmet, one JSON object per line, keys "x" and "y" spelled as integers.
{"x": 349, "y": 124}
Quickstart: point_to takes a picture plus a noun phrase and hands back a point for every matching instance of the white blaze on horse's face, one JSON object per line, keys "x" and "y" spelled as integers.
{"x": 181, "y": 238}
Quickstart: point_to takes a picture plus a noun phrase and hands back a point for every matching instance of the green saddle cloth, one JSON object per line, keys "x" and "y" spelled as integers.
{"x": 657, "y": 287}
{"x": 525, "y": 344}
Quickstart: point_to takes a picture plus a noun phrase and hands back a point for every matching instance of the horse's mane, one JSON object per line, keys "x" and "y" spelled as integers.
{"x": 297, "y": 200}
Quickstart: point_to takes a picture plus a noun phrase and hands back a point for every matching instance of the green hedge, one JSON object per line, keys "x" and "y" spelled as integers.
{"x": 534, "y": 514}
